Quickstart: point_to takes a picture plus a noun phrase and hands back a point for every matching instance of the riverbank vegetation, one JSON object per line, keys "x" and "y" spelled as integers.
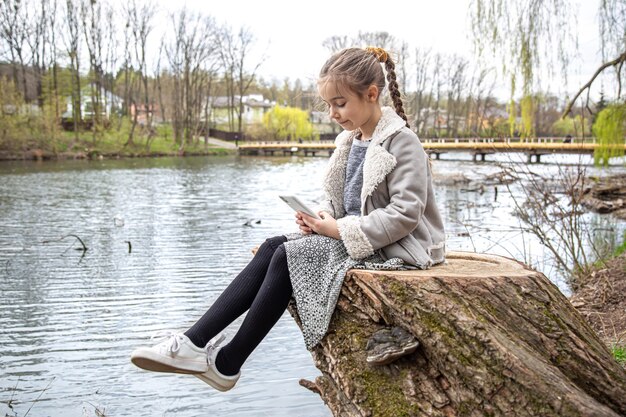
{"x": 553, "y": 207}
{"x": 83, "y": 66}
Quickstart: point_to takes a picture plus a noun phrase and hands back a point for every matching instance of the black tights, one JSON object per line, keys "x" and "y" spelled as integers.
{"x": 265, "y": 289}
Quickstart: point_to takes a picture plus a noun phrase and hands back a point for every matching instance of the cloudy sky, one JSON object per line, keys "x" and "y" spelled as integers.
{"x": 290, "y": 33}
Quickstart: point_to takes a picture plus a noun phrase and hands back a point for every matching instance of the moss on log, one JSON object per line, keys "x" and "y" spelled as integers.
{"x": 497, "y": 339}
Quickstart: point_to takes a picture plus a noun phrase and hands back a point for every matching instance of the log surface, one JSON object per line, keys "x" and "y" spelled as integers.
{"x": 497, "y": 339}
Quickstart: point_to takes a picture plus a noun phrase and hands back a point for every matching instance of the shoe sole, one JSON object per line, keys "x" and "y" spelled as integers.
{"x": 158, "y": 363}
{"x": 213, "y": 383}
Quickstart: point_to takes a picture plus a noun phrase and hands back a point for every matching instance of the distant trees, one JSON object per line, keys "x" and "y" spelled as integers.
{"x": 444, "y": 95}
{"x": 57, "y": 52}
{"x": 235, "y": 53}
{"x": 192, "y": 56}
{"x": 288, "y": 123}
{"x": 139, "y": 25}
{"x": 171, "y": 73}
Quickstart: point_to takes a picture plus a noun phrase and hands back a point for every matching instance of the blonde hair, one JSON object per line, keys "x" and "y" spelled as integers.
{"x": 358, "y": 69}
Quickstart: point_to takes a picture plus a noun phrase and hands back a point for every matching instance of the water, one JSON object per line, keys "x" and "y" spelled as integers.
{"x": 69, "y": 319}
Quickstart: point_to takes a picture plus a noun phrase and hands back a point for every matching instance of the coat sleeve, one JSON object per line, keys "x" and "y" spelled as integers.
{"x": 327, "y": 206}
{"x": 407, "y": 184}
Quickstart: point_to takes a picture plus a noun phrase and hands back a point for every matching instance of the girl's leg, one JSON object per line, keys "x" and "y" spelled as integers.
{"x": 268, "y": 306}
{"x": 237, "y": 297}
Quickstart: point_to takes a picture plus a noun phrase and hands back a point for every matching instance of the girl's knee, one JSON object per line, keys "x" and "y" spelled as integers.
{"x": 280, "y": 254}
{"x": 273, "y": 242}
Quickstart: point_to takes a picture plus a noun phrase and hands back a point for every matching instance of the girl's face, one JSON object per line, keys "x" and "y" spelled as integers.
{"x": 349, "y": 109}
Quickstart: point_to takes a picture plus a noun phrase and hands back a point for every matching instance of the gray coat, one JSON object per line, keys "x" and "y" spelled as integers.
{"x": 399, "y": 214}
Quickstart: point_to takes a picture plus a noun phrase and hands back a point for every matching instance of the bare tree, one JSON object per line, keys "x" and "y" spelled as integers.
{"x": 457, "y": 83}
{"x": 362, "y": 39}
{"x": 110, "y": 57}
{"x": 551, "y": 208}
{"x": 38, "y": 46}
{"x": 438, "y": 81}
{"x": 14, "y": 21}
{"x": 72, "y": 41}
{"x": 227, "y": 55}
{"x": 238, "y": 73}
{"x": 612, "y": 28}
{"x": 139, "y": 19}
{"x": 422, "y": 98}
{"x": 402, "y": 59}
{"x": 192, "y": 49}
{"x": 158, "y": 77}
{"x": 53, "y": 85}
{"x": 336, "y": 43}
{"x": 92, "y": 21}
{"x": 480, "y": 91}
{"x": 383, "y": 40}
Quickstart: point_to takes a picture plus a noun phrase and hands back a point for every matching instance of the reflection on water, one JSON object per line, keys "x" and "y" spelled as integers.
{"x": 69, "y": 320}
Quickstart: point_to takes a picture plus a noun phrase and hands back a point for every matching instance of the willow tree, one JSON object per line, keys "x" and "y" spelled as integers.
{"x": 524, "y": 33}
{"x": 610, "y": 130}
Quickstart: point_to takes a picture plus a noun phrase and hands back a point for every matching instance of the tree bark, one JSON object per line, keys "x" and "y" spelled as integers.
{"x": 496, "y": 339}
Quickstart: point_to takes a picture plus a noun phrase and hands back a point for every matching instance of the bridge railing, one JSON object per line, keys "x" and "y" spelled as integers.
{"x": 284, "y": 143}
{"x": 508, "y": 140}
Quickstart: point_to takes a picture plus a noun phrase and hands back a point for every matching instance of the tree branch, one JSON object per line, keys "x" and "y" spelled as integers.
{"x": 604, "y": 66}
{"x": 84, "y": 248}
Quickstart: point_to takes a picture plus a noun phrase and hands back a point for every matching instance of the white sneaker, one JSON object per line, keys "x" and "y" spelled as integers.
{"x": 174, "y": 354}
{"x": 212, "y": 376}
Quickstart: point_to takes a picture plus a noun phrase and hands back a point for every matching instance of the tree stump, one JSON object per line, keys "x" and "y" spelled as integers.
{"x": 496, "y": 339}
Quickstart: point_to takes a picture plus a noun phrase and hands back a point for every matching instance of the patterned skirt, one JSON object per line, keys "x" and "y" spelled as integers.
{"x": 317, "y": 267}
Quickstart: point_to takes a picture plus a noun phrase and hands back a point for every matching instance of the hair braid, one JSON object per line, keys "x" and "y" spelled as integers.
{"x": 358, "y": 69}
{"x": 394, "y": 91}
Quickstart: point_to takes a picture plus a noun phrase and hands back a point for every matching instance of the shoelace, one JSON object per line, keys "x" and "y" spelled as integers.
{"x": 212, "y": 345}
{"x": 174, "y": 342}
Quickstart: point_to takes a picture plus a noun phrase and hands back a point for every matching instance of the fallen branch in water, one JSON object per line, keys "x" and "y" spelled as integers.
{"x": 84, "y": 248}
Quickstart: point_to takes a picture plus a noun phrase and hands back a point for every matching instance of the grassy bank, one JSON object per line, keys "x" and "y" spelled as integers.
{"x": 109, "y": 143}
{"x": 600, "y": 296}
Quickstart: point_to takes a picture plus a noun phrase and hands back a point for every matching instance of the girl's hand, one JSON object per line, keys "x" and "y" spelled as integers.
{"x": 303, "y": 227}
{"x": 326, "y": 225}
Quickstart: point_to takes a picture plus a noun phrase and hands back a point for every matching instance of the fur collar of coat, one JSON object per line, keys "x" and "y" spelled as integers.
{"x": 377, "y": 164}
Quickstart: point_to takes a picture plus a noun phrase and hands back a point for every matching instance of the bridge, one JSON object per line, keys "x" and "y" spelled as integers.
{"x": 478, "y": 148}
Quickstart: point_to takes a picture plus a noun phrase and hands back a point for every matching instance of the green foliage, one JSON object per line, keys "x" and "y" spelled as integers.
{"x": 572, "y": 126}
{"x": 288, "y": 123}
{"x": 500, "y": 128}
{"x": 63, "y": 83}
{"x": 619, "y": 353}
{"x": 609, "y": 130}
{"x": 13, "y": 122}
{"x": 528, "y": 111}
{"x": 621, "y": 248}
{"x": 512, "y": 110}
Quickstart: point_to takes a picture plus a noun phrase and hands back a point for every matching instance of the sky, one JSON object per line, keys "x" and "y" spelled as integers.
{"x": 290, "y": 34}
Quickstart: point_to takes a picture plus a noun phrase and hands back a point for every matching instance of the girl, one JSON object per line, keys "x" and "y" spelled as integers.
{"x": 379, "y": 211}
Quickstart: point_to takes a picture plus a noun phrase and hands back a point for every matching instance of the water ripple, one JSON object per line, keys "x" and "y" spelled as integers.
{"x": 69, "y": 320}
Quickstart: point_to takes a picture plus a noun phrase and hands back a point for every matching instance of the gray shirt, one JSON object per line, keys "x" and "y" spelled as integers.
{"x": 354, "y": 178}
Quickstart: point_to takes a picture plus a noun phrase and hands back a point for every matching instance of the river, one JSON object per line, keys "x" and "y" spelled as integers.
{"x": 165, "y": 236}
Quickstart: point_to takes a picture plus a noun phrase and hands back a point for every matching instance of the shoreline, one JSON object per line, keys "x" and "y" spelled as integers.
{"x": 84, "y": 150}
{"x": 41, "y": 155}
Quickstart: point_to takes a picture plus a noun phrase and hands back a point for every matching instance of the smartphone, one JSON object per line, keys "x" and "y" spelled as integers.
{"x": 298, "y": 205}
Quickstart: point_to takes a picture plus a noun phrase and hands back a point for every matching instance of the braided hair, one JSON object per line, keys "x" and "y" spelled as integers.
{"x": 358, "y": 69}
